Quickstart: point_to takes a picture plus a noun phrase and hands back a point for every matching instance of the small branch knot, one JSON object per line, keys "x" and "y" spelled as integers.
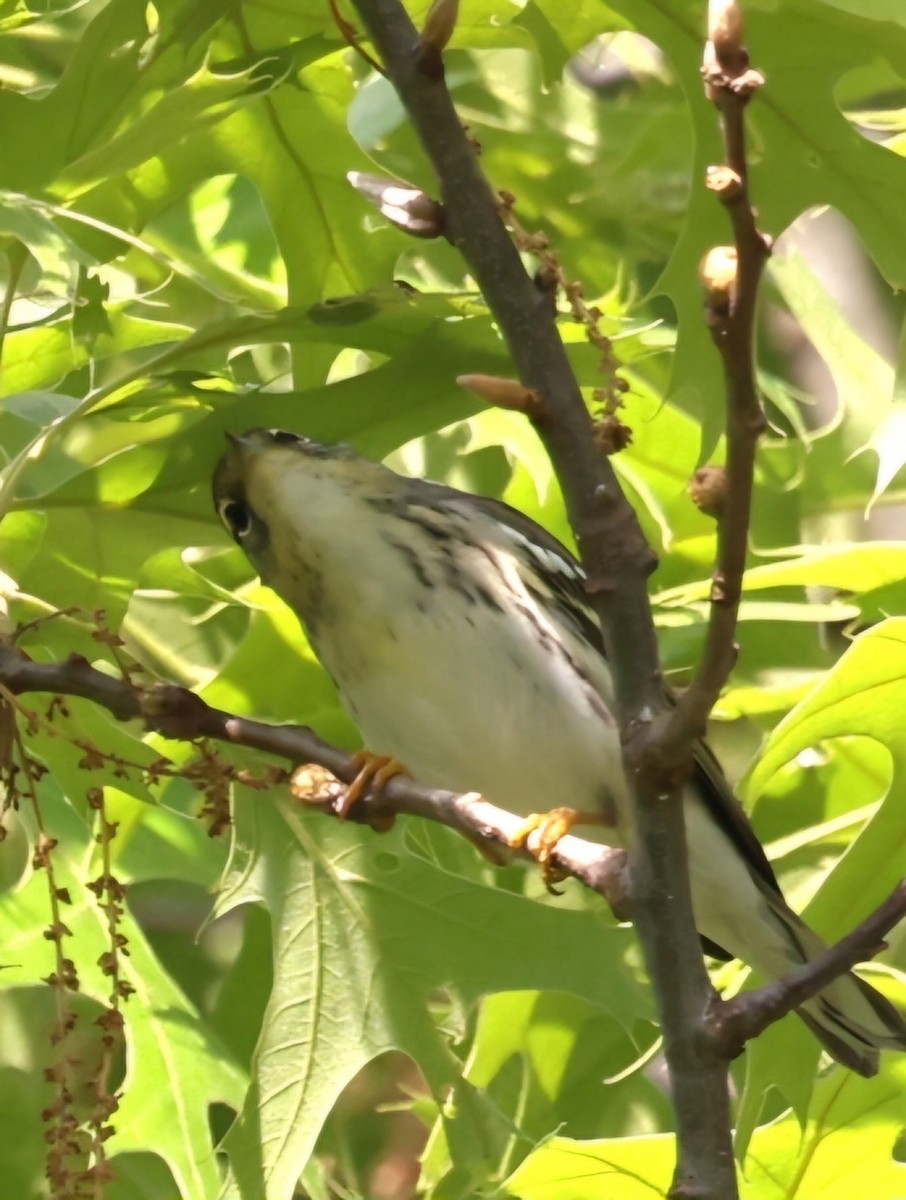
{"x": 726, "y": 183}
{"x": 722, "y": 592}
{"x": 708, "y": 490}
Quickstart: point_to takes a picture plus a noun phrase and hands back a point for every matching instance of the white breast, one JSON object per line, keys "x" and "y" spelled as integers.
{"x": 469, "y": 698}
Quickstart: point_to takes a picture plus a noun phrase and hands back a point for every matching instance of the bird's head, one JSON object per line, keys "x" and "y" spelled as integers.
{"x": 280, "y": 496}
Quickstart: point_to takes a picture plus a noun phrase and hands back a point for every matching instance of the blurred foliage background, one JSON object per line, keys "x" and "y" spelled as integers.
{"x": 318, "y": 1011}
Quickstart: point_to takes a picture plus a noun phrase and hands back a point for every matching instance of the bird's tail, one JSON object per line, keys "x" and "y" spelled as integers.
{"x": 851, "y": 1019}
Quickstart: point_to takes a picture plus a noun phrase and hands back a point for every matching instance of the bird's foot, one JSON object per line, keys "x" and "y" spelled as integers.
{"x": 375, "y": 772}
{"x": 540, "y": 834}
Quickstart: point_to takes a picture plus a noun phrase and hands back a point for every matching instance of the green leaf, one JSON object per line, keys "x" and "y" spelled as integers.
{"x": 40, "y": 357}
{"x": 559, "y": 1065}
{"x": 637, "y": 1168}
{"x": 846, "y": 1148}
{"x": 863, "y": 695}
{"x": 860, "y": 696}
{"x": 185, "y": 257}
{"x": 176, "y": 1068}
{"x": 363, "y": 936}
{"x": 849, "y": 567}
{"x": 889, "y": 441}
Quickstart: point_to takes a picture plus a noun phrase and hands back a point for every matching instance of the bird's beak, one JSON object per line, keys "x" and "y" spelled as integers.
{"x": 243, "y": 446}
{"x": 234, "y": 461}
{"x": 240, "y": 441}
{"x": 252, "y": 439}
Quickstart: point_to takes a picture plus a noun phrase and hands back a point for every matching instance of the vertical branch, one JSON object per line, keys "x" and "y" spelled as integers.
{"x": 617, "y": 562}
{"x": 731, "y": 275}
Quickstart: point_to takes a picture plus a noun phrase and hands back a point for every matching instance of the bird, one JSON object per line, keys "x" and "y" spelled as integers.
{"x": 461, "y": 642}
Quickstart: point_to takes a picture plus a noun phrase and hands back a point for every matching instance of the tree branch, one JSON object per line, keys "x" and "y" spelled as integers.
{"x": 730, "y": 313}
{"x": 180, "y": 714}
{"x": 617, "y": 562}
{"x": 734, "y": 1022}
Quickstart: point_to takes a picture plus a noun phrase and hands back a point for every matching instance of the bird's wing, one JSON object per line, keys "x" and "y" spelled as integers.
{"x": 560, "y": 568}
{"x": 721, "y": 802}
{"x": 565, "y": 577}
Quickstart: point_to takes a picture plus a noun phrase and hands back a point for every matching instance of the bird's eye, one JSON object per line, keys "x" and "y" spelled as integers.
{"x": 283, "y": 437}
{"x": 237, "y": 516}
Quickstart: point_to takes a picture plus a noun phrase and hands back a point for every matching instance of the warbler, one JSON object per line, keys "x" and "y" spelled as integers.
{"x": 459, "y": 637}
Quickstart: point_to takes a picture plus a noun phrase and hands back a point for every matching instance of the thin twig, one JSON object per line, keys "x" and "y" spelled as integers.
{"x": 351, "y": 36}
{"x": 17, "y": 257}
{"x": 734, "y": 1022}
{"x": 730, "y": 83}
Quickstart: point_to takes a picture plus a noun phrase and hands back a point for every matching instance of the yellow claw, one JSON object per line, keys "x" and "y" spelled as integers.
{"x": 549, "y": 827}
{"x": 375, "y": 772}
